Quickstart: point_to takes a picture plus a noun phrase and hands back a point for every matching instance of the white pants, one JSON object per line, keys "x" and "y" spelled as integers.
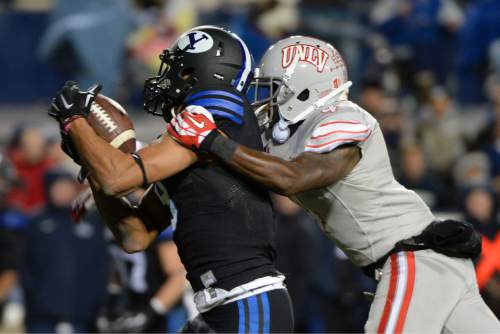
{"x": 209, "y": 298}
{"x": 427, "y": 292}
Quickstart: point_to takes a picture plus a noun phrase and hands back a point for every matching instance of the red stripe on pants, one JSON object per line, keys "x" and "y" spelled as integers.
{"x": 390, "y": 294}
{"x": 410, "y": 282}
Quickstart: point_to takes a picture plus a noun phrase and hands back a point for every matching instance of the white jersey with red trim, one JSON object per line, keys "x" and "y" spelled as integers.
{"x": 368, "y": 211}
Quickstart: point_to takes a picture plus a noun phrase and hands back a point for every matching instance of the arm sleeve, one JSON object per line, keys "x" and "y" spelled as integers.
{"x": 337, "y": 129}
{"x": 166, "y": 235}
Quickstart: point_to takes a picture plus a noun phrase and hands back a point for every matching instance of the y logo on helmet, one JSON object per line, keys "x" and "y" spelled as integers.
{"x": 195, "y": 42}
{"x": 309, "y": 53}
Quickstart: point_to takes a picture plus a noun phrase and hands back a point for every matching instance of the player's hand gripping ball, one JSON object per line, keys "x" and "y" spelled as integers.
{"x": 69, "y": 104}
{"x": 106, "y": 117}
{"x": 192, "y": 126}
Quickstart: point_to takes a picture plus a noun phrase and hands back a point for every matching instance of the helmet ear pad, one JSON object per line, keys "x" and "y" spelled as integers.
{"x": 281, "y": 132}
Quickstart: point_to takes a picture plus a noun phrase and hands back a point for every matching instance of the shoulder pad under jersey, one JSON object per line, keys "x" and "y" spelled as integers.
{"x": 220, "y": 103}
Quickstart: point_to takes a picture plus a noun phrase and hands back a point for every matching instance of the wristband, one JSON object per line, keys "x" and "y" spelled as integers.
{"x": 157, "y": 306}
{"x": 208, "y": 140}
{"x": 68, "y": 121}
{"x": 138, "y": 161}
{"x": 220, "y": 146}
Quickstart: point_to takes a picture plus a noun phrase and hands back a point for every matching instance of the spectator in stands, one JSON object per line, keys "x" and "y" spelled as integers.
{"x": 28, "y": 153}
{"x": 471, "y": 170}
{"x": 493, "y": 92}
{"x": 85, "y": 41}
{"x": 145, "y": 290}
{"x": 494, "y": 56}
{"x": 413, "y": 28}
{"x": 6, "y": 4}
{"x": 326, "y": 289}
{"x": 58, "y": 158}
{"x": 491, "y": 293}
{"x": 264, "y": 23}
{"x": 372, "y": 97}
{"x": 396, "y": 129}
{"x": 416, "y": 176}
{"x": 492, "y": 149}
{"x": 66, "y": 264}
{"x": 296, "y": 251}
{"x": 488, "y": 139}
{"x": 349, "y": 305}
{"x": 160, "y": 24}
{"x": 480, "y": 209}
{"x": 12, "y": 243}
{"x": 440, "y": 131}
{"x": 481, "y": 29}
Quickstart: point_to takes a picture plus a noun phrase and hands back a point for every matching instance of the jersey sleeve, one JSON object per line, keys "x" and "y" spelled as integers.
{"x": 336, "y": 129}
{"x": 227, "y": 108}
{"x": 166, "y": 235}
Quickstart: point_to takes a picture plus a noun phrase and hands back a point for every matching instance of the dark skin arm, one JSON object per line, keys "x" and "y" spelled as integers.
{"x": 306, "y": 172}
{"x": 115, "y": 172}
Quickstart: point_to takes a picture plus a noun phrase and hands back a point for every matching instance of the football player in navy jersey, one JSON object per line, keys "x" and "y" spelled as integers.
{"x": 144, "y": 288}
{"x": 225, "y": 230}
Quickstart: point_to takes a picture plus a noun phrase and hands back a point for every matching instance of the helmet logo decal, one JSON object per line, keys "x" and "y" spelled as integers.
{"x": 308, "y": 53}
{"x": 195, "y": 42}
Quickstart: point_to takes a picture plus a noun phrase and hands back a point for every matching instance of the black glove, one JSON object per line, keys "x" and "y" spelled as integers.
{"x": 68, "y": 104}
{"x": 71, "y": 102}
{"x": 136, "y": 321}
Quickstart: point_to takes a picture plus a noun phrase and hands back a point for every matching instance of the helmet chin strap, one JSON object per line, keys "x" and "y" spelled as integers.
{"x": 281, "y": 130}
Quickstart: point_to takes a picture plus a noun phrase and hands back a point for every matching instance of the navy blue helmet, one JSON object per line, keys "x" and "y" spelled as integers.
{"x": 205, "y": 56}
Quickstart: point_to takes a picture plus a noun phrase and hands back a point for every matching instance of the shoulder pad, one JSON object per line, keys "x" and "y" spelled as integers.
{"x": 219, "y": 103}
{"x": 331, "y": 132}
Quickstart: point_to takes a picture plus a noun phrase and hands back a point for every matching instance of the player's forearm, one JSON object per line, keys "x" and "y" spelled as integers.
{"x": 278, "y": 175}
{"x": 107, "y": 164}
{"x": 306, "y": 172}
{"x": 124, "y": 221}
{"x": 171, "y": 291}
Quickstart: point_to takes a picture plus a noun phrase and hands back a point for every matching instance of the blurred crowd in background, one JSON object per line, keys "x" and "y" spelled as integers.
{"x": 428, "y": 70}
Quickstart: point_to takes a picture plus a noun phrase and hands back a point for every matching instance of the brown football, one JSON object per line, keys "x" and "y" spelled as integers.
{"x": 111, "y": 122}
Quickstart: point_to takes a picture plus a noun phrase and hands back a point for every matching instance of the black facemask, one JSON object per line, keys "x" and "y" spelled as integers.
{"x": 170, "y": 87}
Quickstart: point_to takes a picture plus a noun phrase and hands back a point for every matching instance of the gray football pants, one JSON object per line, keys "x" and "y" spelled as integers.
{"x": 427, "y": 292}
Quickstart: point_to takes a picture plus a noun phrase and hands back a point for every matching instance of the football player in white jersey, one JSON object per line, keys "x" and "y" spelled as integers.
{"x": 329, "y": 155}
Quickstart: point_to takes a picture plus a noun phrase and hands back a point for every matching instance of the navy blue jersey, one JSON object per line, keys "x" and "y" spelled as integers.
{"x": 141, "y": 274}
{"x": 225, "y": 229}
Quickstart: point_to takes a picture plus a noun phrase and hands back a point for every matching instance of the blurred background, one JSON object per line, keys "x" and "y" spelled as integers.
{"x": 428, "y": 70}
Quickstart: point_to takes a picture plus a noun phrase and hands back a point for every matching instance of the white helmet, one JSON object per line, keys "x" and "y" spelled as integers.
{"x": 299, "y": 75}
